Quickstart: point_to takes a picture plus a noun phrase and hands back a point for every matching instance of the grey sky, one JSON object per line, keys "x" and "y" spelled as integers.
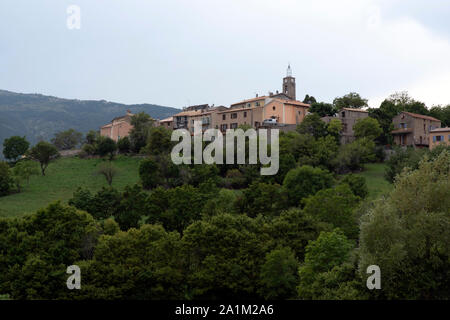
{"x": 176, "y": 53}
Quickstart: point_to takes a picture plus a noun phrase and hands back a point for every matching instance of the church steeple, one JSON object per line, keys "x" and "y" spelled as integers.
{"x": 289, "y": 84}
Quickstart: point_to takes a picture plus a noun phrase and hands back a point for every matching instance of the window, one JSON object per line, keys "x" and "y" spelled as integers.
{"x": 233, "y": 126}
{"x": 403, "y": 125}
{"x": 424, "y": 127}
{"x": 439, "y": 138}
{"x": 245, "y": 114}
{"x": 343, "y": 114}
{"x": 256, "y": 124}
{"x": 344, "y": 127}
{"x": 257, "y": 104}
{"x": 224, "y": 116}
{"x": 223, "y": 127}
{"x": 249, "y": 105}
{"x": 273, "y": 107}
{"x": 233, "y": 115}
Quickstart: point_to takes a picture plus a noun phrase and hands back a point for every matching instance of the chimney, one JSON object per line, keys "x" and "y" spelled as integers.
{"x": 257, "y": 95}
{"x": 277, "y": 91}
{"x": 270, "y": 94}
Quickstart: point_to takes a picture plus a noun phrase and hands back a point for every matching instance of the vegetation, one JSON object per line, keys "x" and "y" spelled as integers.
{"x": 15, "y": 147}
{"x": 67, "y": 140}
{"x": 44, "y": 153}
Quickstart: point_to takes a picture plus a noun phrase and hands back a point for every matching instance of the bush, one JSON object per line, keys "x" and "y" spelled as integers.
{"x": 304, "y": 181}
{"x": 106, "y": 146}
{"x": 5, "y": 179}
{"x": 124, "y": 145}
{"x": 357, "y": 185}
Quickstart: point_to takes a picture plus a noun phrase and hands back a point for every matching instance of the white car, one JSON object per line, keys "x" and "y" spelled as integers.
{"x": 270, "y": 121}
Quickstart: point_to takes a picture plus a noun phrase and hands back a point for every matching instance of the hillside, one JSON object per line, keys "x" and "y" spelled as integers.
{"x": 38, "y": 117}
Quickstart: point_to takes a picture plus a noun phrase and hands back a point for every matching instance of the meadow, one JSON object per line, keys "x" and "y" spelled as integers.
{"x": 62, "y": 178}
{"x": 65, "y": 175}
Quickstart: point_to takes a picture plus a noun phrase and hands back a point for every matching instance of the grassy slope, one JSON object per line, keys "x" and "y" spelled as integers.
{"x": 62, "y": 178}
{"x": 377, "y": 184}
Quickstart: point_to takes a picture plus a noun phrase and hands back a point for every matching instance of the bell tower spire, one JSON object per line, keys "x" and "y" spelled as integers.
{"x": 289, "y": 84}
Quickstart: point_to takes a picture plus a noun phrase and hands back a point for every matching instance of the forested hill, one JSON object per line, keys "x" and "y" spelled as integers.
{"x": 38, "y": 116}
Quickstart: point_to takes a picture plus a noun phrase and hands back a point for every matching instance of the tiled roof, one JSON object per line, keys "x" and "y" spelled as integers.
{"x": 250, "y": 100}
{"x": 421, "y": 116}
{"x": 354, "y": 109}
{"x": 440, "y": 130}
{"x": 170, "y": 119}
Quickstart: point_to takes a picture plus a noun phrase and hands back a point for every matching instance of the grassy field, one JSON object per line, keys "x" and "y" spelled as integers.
{"x": 377, "y": 184}
{"x": 62, "y": 178}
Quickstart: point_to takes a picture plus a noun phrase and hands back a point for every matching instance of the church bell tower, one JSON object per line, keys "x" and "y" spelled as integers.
{"x": 289, "y": 84}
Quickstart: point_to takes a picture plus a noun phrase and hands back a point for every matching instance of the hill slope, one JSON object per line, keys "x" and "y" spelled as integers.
{"x": 38, "y": 117}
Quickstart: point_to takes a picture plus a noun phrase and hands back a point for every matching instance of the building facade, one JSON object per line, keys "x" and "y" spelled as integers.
{"x": 412, "y": 129}
{"x": 119, "y": 127}
{"x": 348, "y": 117}
{"x": 439, "y": 136}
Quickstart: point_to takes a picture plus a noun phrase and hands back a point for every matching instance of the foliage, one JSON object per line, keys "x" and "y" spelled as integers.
{"x": 5, "y": 179}
{"x": 22, "y": 171}
{"x": 67, "y": 140}
{"x": 351, "y": 100}
{"x": 44, "y": 153}
{"x": 407, "y": 234}
{"x": 403, "y": 158}
{"x": 141, "y": 123}
{"x": 313, "y": 125}
{"x": 279, "y": 275}
{"x": 124, "y": 145}
{"x": 108, "y": 171}
{"x": 322, "y": 109}
{"x": 158, "y": 141}
{"x": 106, "y": 147}
{"x": 357, "y": 184}
{"x": 367, "y": 128}
{"x": 352, "y": 156}
{"x": 15, "y": 147}
{"x": 301, "y": 182}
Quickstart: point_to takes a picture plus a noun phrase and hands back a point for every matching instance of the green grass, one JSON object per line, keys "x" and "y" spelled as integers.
{"x": 376, "y": 183}
{"x": 62, "y": 178}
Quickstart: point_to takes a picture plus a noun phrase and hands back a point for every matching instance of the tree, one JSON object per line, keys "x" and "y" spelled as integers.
{"x": 132, "y": 207}
{"x": 106, "y": 146}
{"x": 334, "y": 207}
{"x": 108, "y": 171}
{"x": 407, "y": 235}
{"x": 91, "y": 137}
{"x": 334, "y": 129}
{"x": 44, "y": 153}
{"x": 279, "y": 275}
{"x": 352, "y": 156}
{"x": 313, "y": 125}
{"x": 357, "y": 184}
{"x": 329, "y": 271}
{"x": 15, "y": 147}
{"x": 150, "y": 174}
{"x": 22, "y": 171}
{"x": 367, "y": 128}
{"x": 322, "y": 109}
{"x": 5, "y": 179}
{"x": 309, "y": 99}
{"x": 301, "y": 182}
{"x": 67, "y": 140}
{"x": 141, "y": 123}
{"x": 351, "y": 100}
{"x": 124, "y": 145}
{"x": 158, "y": 141}
{"x": 263, "y": 198}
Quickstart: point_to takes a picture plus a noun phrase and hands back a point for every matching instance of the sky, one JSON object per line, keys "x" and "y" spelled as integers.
{"x": 178, "y": 53}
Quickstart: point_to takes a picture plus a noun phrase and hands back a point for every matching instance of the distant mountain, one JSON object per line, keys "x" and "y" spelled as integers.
{"x": 39, "y": 117}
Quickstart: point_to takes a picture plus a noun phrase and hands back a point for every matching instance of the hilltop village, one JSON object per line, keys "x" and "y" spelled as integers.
{"x": 282, "y": 110}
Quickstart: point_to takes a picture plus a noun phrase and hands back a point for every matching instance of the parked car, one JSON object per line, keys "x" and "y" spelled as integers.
{"x": 270, "y": 121}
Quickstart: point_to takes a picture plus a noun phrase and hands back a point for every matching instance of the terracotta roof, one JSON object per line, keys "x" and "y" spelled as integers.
{"x": 293, "y": 102}
{"x": 354, "y": 109}
{"x": 440, "y": 130}
{"x": 421, "y": 116}
{"x": 250, "y": 100}
{"x": 107, "y": 125}
{"x": 192, "y": 113}
{"x": 236, "y": 109}
{"x": 166, "y": 119}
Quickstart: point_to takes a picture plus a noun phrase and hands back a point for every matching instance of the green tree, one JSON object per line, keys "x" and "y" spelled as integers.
{"x": 106, "y": 147}
{"x": 124, "y": 145}
{"x": 159, "y": 141}
{"x": 67, "y": 140}
{"x": 357, "y": 184}
{"x": 15, "y": 147}
{"x": 279, "y": 275}
{"x": 313, "y": 125}
{"x": 5, "y": 179}
{"x": 263, "y": 198}
{"x": 22, "y": 171}
{"x": 141, "y": 123}
{"x": 334, "y": 128}
{"x": 367, "y": 128}
{"x": 301, "y": 182}
{"x": 309, "y": 99}
{"x": 352, "y": 156}
{"x": 44, "y": 153}
{"x": 407, "y": 236}
{"x": 91, "y": 137}
{"x": 132, "y": 207}
{"x": 351, "y": 100}
{"x": 322, "y": 109}
{"x": 328, "y": 271}
{"x": 335, "y": 207}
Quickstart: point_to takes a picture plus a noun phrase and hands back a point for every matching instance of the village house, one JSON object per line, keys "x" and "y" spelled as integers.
{"x": 348, "y": 117}
{"x": 412, "y": 129}
{"x": 119, "y": 127}
{"x": 439, "y": 136}
{"x": 166, "y": 123}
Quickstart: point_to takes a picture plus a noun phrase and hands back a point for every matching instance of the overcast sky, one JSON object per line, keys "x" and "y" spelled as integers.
{"x": 184, "y": 52}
